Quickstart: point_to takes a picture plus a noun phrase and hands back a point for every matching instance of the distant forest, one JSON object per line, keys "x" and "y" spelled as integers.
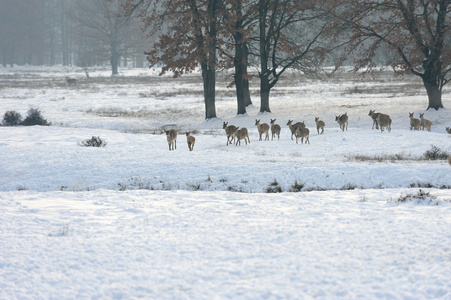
{"x": 69, "y": 32}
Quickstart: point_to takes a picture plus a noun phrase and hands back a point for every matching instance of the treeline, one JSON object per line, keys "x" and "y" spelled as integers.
{"x": 272, "y": 36}
{"x": 69, "y": 32}
{"x": 259, "y": 38}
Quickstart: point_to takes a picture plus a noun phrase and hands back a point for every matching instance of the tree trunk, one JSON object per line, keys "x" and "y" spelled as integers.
{"x": 114, "y": 62}
{"x": 209, "y": 65}
{"x": 264, "y": 56}
{"x": 239, "y": 74}
{"x": 264, "y": 94}
{"x": 209, "y": 79}
{"x": 247, "y": 94}
{"x": 434, "y": 93}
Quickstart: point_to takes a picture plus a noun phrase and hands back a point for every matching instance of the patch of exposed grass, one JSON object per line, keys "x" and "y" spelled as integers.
{"x": 418, "y": 197}
{"x": 381, "y": 158}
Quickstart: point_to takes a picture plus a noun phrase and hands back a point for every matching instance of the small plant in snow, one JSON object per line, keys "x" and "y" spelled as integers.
{"x": 34, "y": 117}
{"x": 95, "y": 141}
{"x": 274, "y": 187}
{"x": 11, "y": 118}
{"x": 296, "y": 187}
{"x": 435, "y": 153}
{"x": 419, "y": 197}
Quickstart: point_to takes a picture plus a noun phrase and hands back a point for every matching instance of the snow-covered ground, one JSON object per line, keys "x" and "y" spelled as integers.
{"x": 135, "y": 220}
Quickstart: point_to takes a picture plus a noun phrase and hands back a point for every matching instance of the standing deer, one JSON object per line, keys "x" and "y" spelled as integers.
{"x": 262, "y": 128}
{"x": 384, "y": 121}
{"x": 240, "y": 134}
{"x": 190, "y": 140}
{"x": 374, "y": 116}
{"x": 71, "y": 81}
{"x": 342, "y": 121}
{"x": 319, "y": 125}
{"x": 293, "y": 127}
{"x": 424, "y": 123}
{"x": 448, "y": 129}
{"x": 414, "y": 123}
{"x": 275, "y": 129}
{"x": 229, "y": 132}
{"x": 302, "y": 133}
{"x": 171, "y": 136}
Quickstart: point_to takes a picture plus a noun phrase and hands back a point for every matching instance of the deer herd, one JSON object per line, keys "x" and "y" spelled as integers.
{"x": 298, "y": 130}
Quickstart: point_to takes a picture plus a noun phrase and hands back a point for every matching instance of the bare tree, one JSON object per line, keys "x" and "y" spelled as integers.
{"x": 292, "y": 34}
{"x": 416, "y": 34}
{"x": 103, "y": 28}
{"x": 187, "y": 33}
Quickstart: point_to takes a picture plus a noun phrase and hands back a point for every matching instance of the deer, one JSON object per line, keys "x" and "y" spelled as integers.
{"x": 171, "y": 136}
{"x": 190, "y": 140}
{"x": 414, "y": 123}
{"x": 302, "y": 132}
{"x": 275, "y": 129}
{"x": 374, "y": 116}
{"x": 424, "y": 123}
{"x": 384, "y": 121}
{"x": 319, "y": 125}
{"x": 293, "y": 127}
{"x": 448, "y": 129}
{"x": 241, "y": 134}
{"x": 71, "y": 81}
{"x": 262, "y": 128}
{"x": 342, "y": 121}
{"x": 229, "y": 129}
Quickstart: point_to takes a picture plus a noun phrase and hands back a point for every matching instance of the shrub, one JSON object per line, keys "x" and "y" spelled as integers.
{"x": 435, "y": 153}
{"x": 296, "y": 187}
{"x": 274, "y": 187}
{"x": 34, "y": 117}
{"x": 420, "y": 196}
{"x": 11, "y": 118}
{"x": 95, "y": 141}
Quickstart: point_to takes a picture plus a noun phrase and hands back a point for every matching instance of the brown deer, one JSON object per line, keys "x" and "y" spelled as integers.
{"x": 424, "y": 123}
{"x": 448, "y": 129}
{"x": 71, "y": 81}
{"x": 319, "y": 125}
{"x": 293, "y": 127}
{"x": 171, "y": 136}
{"x": 275, "y": 129}
{"x": 374, "y": 116}
{"x": 229, "y": 132}
{"x": 342, "y": 121}
{"x": 190, "y": 140}
{"x": 241, "y": 134}
{"x": 384, "y": 121}
{"x": 262, "y": 128}
{"x": 414, "y": 123}
{"x": 302, "y": 133}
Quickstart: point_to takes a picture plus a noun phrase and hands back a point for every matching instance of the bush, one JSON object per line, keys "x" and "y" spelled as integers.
{"x": 11, "y": 118}
{"x": 35, "y": 118}
{"x": 95, "y": 141}
{"x": 274, "y": 187}
{"x": 435, "y": 153}
{"x": 419, "y": 197}
{"x": 297, "y": 187}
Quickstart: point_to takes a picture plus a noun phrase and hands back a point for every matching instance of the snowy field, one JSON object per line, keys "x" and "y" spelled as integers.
{"x": 361, "y": 214}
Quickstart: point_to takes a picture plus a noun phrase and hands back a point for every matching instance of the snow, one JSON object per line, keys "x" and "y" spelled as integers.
{"x": 135, "y": 220}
